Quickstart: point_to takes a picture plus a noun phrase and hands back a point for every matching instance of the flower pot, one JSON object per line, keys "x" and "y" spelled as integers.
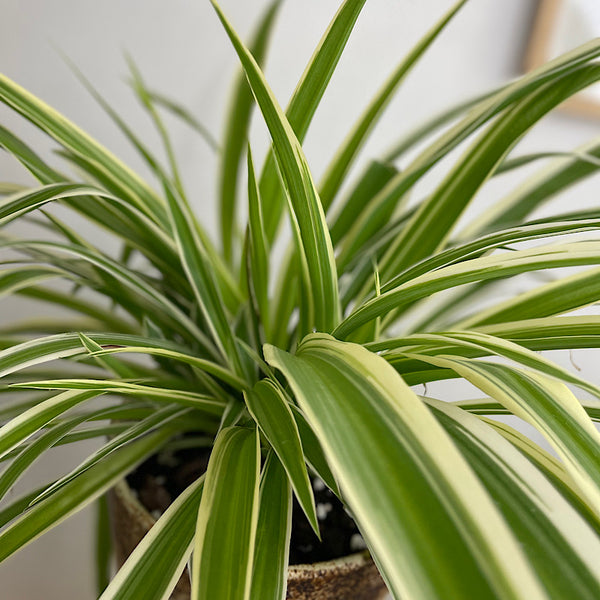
{"x": 354, "y": 577}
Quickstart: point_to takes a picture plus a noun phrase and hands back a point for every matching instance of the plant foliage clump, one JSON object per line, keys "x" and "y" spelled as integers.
{"x": 307, "y": 366}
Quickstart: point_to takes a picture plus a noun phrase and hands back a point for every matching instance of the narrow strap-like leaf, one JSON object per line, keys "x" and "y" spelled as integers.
{"x": 429, "y": 228}
{"x": 258, "y": 247}
{"x": 535, "y": 191}
{"x": 304, "y": 200}
{"x": 154, "y": 567}
{"x": 141, "y": 288}
{"x": 269, "y": 572}
{"x": 550, "y": 407}
{"x": 345, "y": 156}
{"x": 409, "y": 489}
{"x": 237, "y": 123}
{"x": 101, "y": 386}
{"x": 304, "y": 103}
{"x": 475, "y": 270}
{"x": 558, "y": 542}
{"x": 32, "y": 420}
{"x": 13, "y": 280}
{"x": 32, "y": 451}
{"x": 554, "y": 298}
{"x": 75, "y": 140}
{"x": 103, "y": 547}
{"x": 77, "y": 494}
{"x": 227, "y": 518}
{"x": 159, "y": 420}
{"x": 185, "y": 115}
{"x": 199, "y": 270}
{"x": 269, "y": 408}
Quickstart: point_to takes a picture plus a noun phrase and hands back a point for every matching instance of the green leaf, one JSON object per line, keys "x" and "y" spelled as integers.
{"x": 141, "y": 92}
{"x": 271, "y": 550}
{"x": 237, "y": 123}
{"x": 476, "y": 117}
{"x": 519, "y": 161}
{"x": 305, "y": 101}
{"x": 14, "y": 280}
{"x": 154, "y": 567}
{"x": 32, "y": 451}
{"x": 28, "y": 158}
{"x": 410, "y": 491}
{"x": 493, "y": 241}
{"x": 561, "y": 296}
{"x": 313, "y": 452}
{"x": 558, "y": 542}
{"x": 142, "y": 290}
{"x": 535, "y": 191}
{"x": 75, "y": 140}
{"x": 158, "y": 420}
{"x": 164, "y": 349}
{"x": 18, "y": 429}
{"x": 549, "y": 406}
{"x": 77, "y": 494}
{"x": 185, "y": 115}
{"x": 113, "y": 365}
{"x": 373, "y": 180}
{"x": 16, "y": 507}
{"x": 144, "y": 152}
{"x": 103, "y": 545}
{"x": 550, "y": 333}
{"x": 305, "y": 205}
{"x": 102, "y": 386}
{"x": 68, "y": 345}
{"x": 475, "y": 270}
{"x": 269, "y": 408}
{"x": 227, "y": 518}
{"x": 199, "y": 270}
{"x": 430, "y": 227}
{"x": 460, "y": 342}
{"x": 423, "y": 130}
{"x": 259, "y": 257}
{"x": 552, "y": 468}
{"x": 15, "y": 206}
{"x": 7, "y": 188}
{"x": 345, "y": 156}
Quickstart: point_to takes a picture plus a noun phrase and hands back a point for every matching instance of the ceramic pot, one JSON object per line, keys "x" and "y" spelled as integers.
{"x": 354, "y": 577}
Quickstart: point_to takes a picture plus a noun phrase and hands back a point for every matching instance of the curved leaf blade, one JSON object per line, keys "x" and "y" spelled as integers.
{"x": 227, "y": 518}
{"x": 77, "y": 494}
{"x": 304, "y": 200}
{"x": 269, "y": 408}
{"x": 370, "y": 423}
{"x": 154, "y": 567}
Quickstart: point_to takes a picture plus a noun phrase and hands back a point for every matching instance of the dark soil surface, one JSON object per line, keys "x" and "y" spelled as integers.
{"x": 160, "y": 479}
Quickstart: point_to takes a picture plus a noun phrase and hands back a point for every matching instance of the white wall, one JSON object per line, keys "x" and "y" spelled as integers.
{"x": 183, "y": 51}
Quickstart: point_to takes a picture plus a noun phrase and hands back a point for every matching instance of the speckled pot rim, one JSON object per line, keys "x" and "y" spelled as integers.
{"x": 352, "y": 561}
{"x": 302, "y": 571}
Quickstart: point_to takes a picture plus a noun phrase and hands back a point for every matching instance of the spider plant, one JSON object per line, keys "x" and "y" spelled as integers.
{"x": 306, "y": 365}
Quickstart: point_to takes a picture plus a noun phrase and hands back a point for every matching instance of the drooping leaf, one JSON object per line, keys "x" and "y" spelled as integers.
{"x": 558, "y": 542}
{"x": 77, "y": 141}
{"x": 77, "y": 494}
{"x": 154, "y": 567}
{"x": 370, "y": 423}
{"x": 269, "y": 408}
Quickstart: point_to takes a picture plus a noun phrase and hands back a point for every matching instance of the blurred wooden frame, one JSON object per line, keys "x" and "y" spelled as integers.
{"x": 538, "y": 52}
